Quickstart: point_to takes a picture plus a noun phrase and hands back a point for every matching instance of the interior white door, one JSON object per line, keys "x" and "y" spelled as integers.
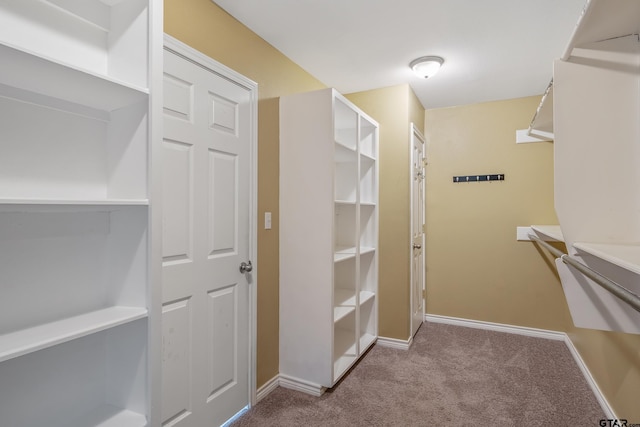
{"x": 417, "y": 228}
{"x": 206, "y": 236}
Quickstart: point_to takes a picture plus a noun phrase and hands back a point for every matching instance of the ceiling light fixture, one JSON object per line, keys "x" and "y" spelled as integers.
{"x": 426, "y": 66}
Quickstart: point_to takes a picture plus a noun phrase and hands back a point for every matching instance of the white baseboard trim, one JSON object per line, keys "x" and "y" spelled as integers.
{"x": 537, "y": 333}
{"x": 395, "y": 343}
{"x": 498, "y": 327}
{"x": 604, "y": 404}
{"x": 267, "y": 388}
{"x": 301, "y": 385}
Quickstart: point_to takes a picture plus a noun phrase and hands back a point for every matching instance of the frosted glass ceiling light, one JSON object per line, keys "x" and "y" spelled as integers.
{"x": 426, "y": 66}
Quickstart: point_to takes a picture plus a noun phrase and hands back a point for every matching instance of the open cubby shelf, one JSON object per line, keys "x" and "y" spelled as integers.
{"x": 329, "y": 270}
{"x": 36, "y": 338}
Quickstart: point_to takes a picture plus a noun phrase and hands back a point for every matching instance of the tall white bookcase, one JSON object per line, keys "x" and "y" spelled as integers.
{"x": 328, "y": 238}
{"x": 75, "y": 131}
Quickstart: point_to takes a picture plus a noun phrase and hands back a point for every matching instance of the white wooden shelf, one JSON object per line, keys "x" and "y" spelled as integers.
{"x": 344, "y": 297}
{"x": 626, "y": 256}
{"x": 13, "y": 205}
{"x": 34, "y": 73}
{"x": 599, "y": 21}
{"x": 108, "y": 416}
{"x": 366, "y": 340}
{"x": 346, "y": 139}
{"x": 343, "y": 253}
{"x": 346, "y": 347}
{"x": 36, "y": 338}
{"x": 595, "y": 24}
{"x": 541, "y": 127}
{"x": 550, "y": 231}
{"x": 341, "y": 365}
{"x": 345, "y": 154}
{"x": 341, "y": 312}
{"x": 366, "y": 250}
{"x": 344, "y": 342}
{"x": 366, "y": 296}
{"x": 87, "y": 15}
{"x": 367, "y": 158}
{"x": 542, "y": 123}
{"x": 346, "y": 202}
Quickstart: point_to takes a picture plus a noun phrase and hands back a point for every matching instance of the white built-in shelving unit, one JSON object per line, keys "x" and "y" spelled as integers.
{"x": 328, "y": 238}
{"x": 75, "y": 132}
{"x": 596, "y": 106}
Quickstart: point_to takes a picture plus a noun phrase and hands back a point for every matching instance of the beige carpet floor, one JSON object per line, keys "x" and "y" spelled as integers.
{"x": 451, "y": 376}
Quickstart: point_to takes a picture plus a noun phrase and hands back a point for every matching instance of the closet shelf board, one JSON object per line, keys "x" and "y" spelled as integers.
{"x": 39, "y": 337}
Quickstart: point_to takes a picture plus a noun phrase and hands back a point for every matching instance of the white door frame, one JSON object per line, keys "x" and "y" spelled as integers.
{"x": 413, "y": 133}
{"x": 215, "y": 67}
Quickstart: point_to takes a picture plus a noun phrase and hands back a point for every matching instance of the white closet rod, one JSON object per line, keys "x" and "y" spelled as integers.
{"x": 616, "y": 289}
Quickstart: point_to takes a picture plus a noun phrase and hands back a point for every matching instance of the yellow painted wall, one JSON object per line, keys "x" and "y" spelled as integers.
{"x": 613, "y": 359}
{"x": 209, "y": 29}
{"x": 475, "y": 267}
{"x": 394, "y": 108}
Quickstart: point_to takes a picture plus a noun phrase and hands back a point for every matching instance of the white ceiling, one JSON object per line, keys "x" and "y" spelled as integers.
{"x": 493, "y": 49}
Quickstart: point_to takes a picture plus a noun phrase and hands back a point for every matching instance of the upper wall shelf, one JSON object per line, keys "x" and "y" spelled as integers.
{"x": 552, "y": 232}
{"x": 547, "y": 233}
{"x": 541, "y": 127}
{"x": 597, "y": 23}
{"x": 542, "y": 123}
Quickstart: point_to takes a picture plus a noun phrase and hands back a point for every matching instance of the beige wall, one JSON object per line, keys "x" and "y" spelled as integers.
{"x": 475, "y": 267}
{"x": 204, "y": 26}
{"x": 394, "y": 108}
{"x": 614, "y": 361}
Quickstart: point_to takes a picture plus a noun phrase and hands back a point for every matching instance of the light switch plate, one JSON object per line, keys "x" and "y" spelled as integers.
{"x": 267, "y": 220}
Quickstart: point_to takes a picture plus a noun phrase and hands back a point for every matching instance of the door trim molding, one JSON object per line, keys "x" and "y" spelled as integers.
{"x": 198, "y": 58}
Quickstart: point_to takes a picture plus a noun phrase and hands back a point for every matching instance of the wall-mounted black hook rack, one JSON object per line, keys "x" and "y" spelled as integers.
{"x": 478, "y": 178}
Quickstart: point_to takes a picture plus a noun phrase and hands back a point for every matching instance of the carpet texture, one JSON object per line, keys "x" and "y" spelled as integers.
{"x": 452, "y": 375}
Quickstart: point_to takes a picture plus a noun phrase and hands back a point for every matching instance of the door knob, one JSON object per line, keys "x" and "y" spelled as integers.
{"x": 246, "y": 267}
{"x": 417, "y": 246}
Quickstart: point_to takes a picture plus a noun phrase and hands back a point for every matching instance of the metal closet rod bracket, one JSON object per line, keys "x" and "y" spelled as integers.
{"x": 616, "y": 289}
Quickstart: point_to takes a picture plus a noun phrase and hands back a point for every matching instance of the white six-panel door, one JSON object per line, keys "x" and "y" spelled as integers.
{"x": 417, "y": 229}
{"x": 206, "y": 236}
